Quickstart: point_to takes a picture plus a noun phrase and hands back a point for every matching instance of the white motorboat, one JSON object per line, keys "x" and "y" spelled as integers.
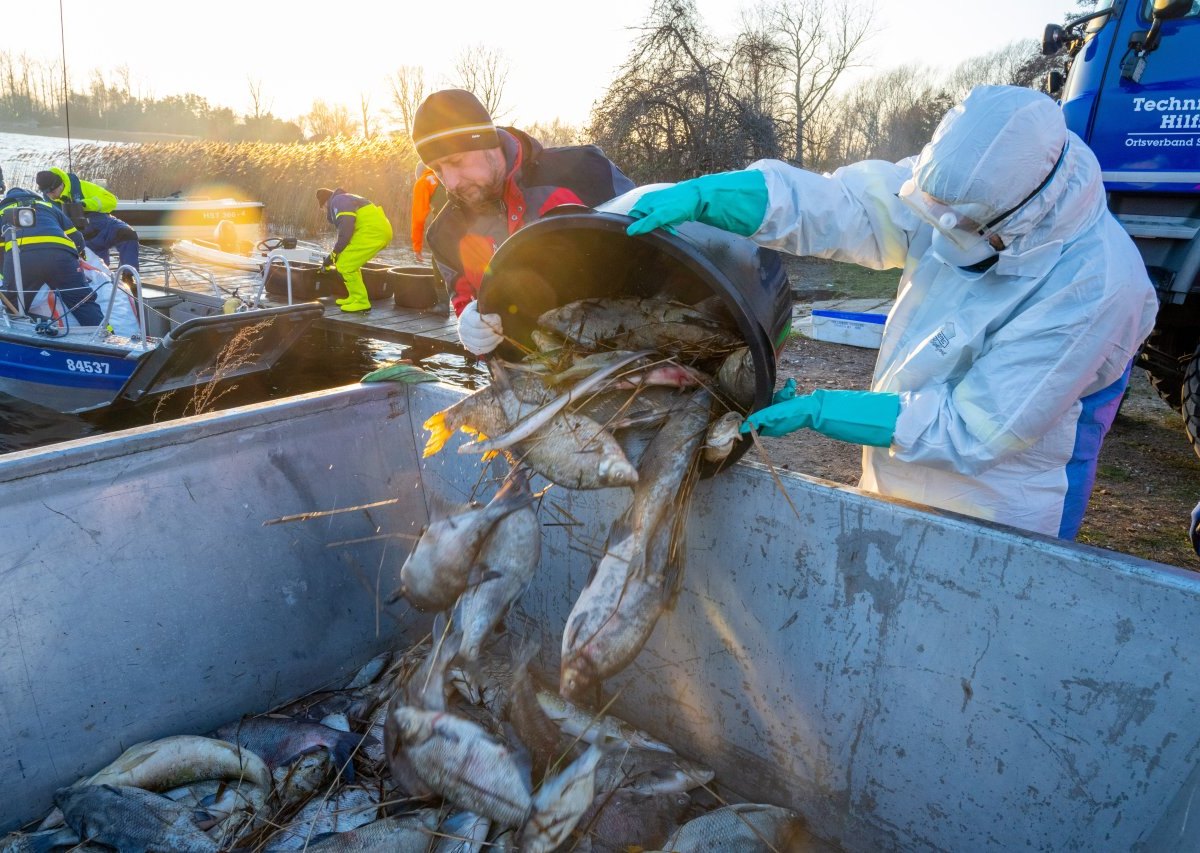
{"x": 180, "y": 217}
{"x": 250, "y": 257}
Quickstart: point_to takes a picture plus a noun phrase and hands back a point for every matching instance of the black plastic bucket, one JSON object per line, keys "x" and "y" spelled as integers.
{"x": 579, "y": 253}
{"x": 306, "y": 280}
{"x": 414, "y": 287}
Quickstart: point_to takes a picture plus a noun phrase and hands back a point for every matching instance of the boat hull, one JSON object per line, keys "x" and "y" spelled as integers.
{"x": 908, "y": 680}
{"x": 160, "y": 220}
{"x": 46, "y": 373}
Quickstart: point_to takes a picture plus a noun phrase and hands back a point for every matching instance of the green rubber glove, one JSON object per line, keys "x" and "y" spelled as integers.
{"x": 733, "y": 201}
{"x": 859, "y": 417}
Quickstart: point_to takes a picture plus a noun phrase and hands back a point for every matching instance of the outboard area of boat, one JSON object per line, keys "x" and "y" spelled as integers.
{"x": 581, "y": 253}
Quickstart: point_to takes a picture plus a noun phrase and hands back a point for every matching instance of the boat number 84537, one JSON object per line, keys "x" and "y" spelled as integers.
{"x": 79, "y": 365}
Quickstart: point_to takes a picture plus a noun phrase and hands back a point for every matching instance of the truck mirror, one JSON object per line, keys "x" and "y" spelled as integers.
{"x": 1169, "y": 10}
{"x": 1052, "y": 39}
{"x": 1054, "y": 83}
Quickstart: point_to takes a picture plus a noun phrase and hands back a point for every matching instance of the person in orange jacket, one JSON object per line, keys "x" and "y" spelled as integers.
{"x": 428, "y": 197}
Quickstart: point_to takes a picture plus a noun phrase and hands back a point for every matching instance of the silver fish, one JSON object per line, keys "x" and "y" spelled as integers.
{"x": 503, "y": 571}
{"x": 63, "y": 838}
{"x": 463, "y": 763}
{"x": 341, "y": 811}
{"x": 533, "y": 727}
{"x": 158, "y": 765}
{"x": 596, "y": 728}
{"x": 464, "y": 832}
{"x": 722, "y": 435}
{"x": 387, "y": 835}
{"x": 131, "y": 819}
{"x": 436, "y": 571}
{"x": 632, "y": 584}
{"x": 650, "y": 771}
{"x": 736, "y": 378}
{"x": 744, "y": 826}
{"x": 538, "y": 419}
{"x": 560, "y": 803}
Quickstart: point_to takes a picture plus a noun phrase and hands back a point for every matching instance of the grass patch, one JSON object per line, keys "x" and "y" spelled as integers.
{"x": 1112, "y": 472}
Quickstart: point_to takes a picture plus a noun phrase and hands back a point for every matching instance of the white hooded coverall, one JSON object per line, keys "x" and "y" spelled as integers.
{"x": 1008, "y": 381}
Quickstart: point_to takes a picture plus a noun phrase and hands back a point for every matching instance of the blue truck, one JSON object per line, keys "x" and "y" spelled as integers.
{"x": 1131, "y": 90}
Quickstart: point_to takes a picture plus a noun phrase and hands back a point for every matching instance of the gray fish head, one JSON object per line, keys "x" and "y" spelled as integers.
{"x": 578, "y": 681}
{"x": 617, "y": 472}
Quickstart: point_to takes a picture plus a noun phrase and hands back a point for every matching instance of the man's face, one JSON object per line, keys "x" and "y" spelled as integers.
{"x": 474, "y": 178}
{"x": 56, "y": 192}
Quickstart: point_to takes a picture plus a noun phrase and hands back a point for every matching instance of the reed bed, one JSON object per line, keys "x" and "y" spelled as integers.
{"x": 285, "y": 177}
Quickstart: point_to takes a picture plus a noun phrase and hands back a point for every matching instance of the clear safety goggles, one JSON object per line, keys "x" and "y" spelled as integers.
{"x": 965, "y": 224}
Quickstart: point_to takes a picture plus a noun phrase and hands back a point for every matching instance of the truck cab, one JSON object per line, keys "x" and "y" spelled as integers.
{"x": 1132, "y": 92}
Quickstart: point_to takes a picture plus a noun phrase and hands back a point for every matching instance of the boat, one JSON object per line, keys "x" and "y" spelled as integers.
{"x": 181, "y": 217}
{"x": 907, "y": 679}
{"x": 248, "y": 256}
{"x": 164, "y": 339}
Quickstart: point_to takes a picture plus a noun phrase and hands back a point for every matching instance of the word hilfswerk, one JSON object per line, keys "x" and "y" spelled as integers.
{"x": 1177, "y": 113}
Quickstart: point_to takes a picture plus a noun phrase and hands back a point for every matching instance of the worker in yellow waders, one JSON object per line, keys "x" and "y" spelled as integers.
{"x": 363, "y": 231}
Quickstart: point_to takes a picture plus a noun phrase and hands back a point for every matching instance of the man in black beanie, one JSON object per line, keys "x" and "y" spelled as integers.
{"x": 498, "y": 180}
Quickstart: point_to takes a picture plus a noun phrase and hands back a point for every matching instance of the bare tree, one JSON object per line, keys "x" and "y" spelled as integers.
{"x": 408, "y": 91}
{"x": 1011, "y": 65}
{"x": 364, "y": 107}
{"x": 324, "y": 120}
{"x": 818, "y": 42}
{"x": 554, "y": 134}
{"x": 483, "y": 71}
{"x": 256, "y": 98}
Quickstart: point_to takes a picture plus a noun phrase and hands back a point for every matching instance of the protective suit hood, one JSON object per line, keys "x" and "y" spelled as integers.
{"x": 995, "y": 150}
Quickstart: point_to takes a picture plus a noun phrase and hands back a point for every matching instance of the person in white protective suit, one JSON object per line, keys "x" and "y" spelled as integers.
{"x": 1021, "y": 305}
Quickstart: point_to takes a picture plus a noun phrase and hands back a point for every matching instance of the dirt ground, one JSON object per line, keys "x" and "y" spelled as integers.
{"x": 1148, "y": 477}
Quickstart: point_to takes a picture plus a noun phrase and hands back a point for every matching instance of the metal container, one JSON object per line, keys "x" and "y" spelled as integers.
{"x": 907, "y": 679}
{"x": 580, "y": 253}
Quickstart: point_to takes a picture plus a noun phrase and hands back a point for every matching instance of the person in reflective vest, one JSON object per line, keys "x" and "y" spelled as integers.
{"x": 90, "y": 206}
{"x": 50, "y": 251}
{"x": 363, "y": 231}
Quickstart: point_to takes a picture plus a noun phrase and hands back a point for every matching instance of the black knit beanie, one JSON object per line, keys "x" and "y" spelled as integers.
{"x": 47, "y": 181}
{"x": 323, "y": 195}
{"x": 452, "y": 121}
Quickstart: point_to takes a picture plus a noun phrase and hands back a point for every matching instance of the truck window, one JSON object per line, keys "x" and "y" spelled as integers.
{"x": 1148, "y": 10}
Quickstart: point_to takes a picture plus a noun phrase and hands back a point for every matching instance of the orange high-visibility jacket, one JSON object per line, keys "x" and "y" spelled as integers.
{"x": 422, "y": 203}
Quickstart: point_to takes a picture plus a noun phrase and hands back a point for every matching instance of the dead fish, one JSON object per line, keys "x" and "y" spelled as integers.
{"x": 387, "y": 835}
{"x": 464, "y": 832}
{"x": 583, "y": 366}
{"x": 436, "y": 571}
{"x": 656, "y": 324}
{"x": 503, "y": 571}
{"x": 280, "y": 741}
{"x": 131, "y": 819}
{"x": 560, "y": 803}
{"x": 540, "y": 417}
{"x": 623, "y": 820}
{"x": 426, "y": 687}
{"x": 638, "y": 407}
{"x": 158, "y": 765}
{"x": 370, "y": 671}
{"x": 649, "y": 771}
{"x": 546, "y": 341}
{"x": 533, "y": 727}
{"x": 744, "y": 826}
{"x": 298, "y": 780}
{"x": 342, "y": 811}
{"x": 46, "y": 841}
{"x": 463, "y": 763}
{"x": 570, "y": 450}
{"x": 736, "y": 378}
{"x": 722, "y": 435}
{"x": 596, "y": 728}
{"x": 631, "y": 585}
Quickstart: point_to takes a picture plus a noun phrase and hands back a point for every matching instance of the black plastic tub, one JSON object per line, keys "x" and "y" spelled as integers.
{"x": 414, "y": 287}
{"x": 579, "y": 253}
{"x": 375, "y": 278}
{"x": 307, "y": 281}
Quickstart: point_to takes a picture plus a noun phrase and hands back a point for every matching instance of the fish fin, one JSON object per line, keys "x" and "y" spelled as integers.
{"x": 439, "y": 434}
{"x": 343, "y": 748}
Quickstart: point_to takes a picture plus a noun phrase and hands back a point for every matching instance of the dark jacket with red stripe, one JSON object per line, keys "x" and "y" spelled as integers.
{"x": 463, "y": 241}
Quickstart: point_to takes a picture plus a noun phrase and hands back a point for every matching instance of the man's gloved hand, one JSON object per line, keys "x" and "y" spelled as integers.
{"x": 1194, "y": 531}
{"x": 330, "y": 261}
{"x": 787, "y": 392}
{"x": 859, "y": 417}
{"x": 734, "y": 201}
{"x": 479, "y": 333}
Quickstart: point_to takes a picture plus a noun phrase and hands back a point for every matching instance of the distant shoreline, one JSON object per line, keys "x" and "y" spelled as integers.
{"x": 93, "y": 133}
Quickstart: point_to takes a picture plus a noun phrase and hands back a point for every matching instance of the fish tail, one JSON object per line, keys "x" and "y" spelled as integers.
{"x": 439, "y": 433}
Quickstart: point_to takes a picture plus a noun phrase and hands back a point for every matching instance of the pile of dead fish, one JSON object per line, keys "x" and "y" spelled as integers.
{"x": 451, "y": 745}
{"x": 415, "y": 754}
